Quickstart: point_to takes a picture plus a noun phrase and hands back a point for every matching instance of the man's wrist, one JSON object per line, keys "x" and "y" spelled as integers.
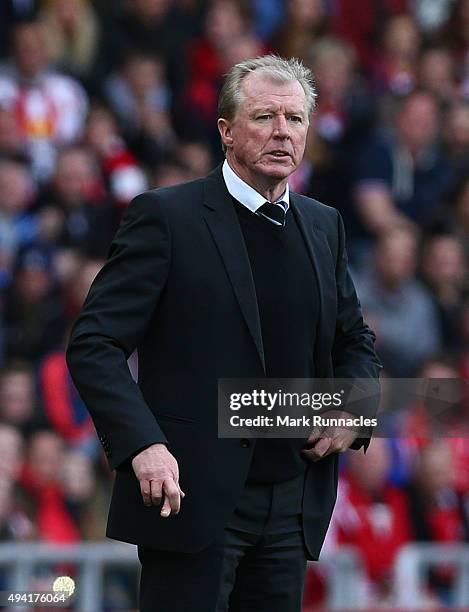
{"x": 140, "y": 450}
{"x": 128, "y": 462}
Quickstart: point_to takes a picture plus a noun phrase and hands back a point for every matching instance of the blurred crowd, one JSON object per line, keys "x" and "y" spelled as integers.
{"x": 100, "y": 101}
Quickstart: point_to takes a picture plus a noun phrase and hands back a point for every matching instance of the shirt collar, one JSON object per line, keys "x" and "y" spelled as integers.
{"x": 245, "y": 194}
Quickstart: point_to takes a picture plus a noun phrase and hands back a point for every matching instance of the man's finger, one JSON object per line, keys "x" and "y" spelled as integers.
{"x": 343, "y": 441}
{"x": 165, "y": 508}
{"x": 319, "y": 450}
{"x": 338, "y": 445}
{"x": 322, "y": 446}
{"x": 146, "y": 492}
{"x": 172, "y": 502}
{"x": 314, "y": 435}
{"x": 156, "y": 492}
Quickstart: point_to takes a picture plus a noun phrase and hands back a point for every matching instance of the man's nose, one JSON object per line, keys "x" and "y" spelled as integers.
{"x": 281, "y": 127}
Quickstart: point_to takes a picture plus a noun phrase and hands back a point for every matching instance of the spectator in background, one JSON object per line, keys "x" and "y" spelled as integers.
{"x": 456, "y": 30}
{"x": 18, "y": 227}
{"x": 464, "y": 357}
{"x": 6, "y": 493}
{"x": 79, "y": 483}
{"x": 453, "y": 216}
{"x": 401, "y": 177}
{"x": 425, "y": 420}
{"x": 139, "y": 85}
{"x": 196, "y": 156}
{"x": 122, "y": 175}
{"x": 41, "y": 479}
{"x": 163, "y": 28}
{"x": 461, "y": 213}
{"x": 18, "y": 406}
{"x": 140, "y": 98}
{"x": 11, "y": 443}
{"x": 344, "y": 112}
{"x": 14, "y": 521}
{"x": 226, "y": 22}
{"x": 360, "y": 23}
{"x": 306, "y": 22}
{"x": 372, "y": 515}
{"x": 437, "y": 74}
{"x": 456, "y": 137}
{"x": 343, "y": 118}
{"x": 393, "y": 68}
{"x": 72, "y": 31}
{"x": 11, "y": 145}
{"x": 64, "y": 410}
{"x": 51, "y": 107}
{"x": 34, "y": 314}
{"x": 76, "y": 280}
{"x": 171, "y": 172}
{"x": 15, "y": 524}
{"x": 438, "y": 512}
{"x": 67, "y": 264}
{"x": 239, "y": 49}
{"x": 63, "y": 407}
{"x": 13, "y": 12}
{"x": 402, "y": 310}
{"x": 86, "y": 217}
{"x": 445, "y": 272}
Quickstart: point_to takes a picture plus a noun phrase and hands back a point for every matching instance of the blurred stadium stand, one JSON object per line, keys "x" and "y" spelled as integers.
{"x": 102, "y": 100}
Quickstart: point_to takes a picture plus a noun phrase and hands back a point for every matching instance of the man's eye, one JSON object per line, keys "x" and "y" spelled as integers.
{"x": 264, "y": 116}
{"x": 296, "y": 119}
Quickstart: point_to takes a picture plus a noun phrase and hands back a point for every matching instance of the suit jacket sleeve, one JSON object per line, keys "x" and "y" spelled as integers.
{"x": 353, "y": 353}
{"x": 112, "y": 322}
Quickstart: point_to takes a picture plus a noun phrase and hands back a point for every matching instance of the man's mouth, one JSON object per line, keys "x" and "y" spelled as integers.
{"x": 279, "y": 153}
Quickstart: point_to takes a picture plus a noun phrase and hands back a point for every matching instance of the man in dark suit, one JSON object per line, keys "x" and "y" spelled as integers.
{"x": 229, "y": 276}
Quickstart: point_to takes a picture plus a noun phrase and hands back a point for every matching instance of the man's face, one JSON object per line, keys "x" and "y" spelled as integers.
{"x": 266, "y": 139}
{"x": 73, "y": 177}
{"x": 396, "y": 257}
{"x": 29, "y": 50}
{"x": 418, "y": 121}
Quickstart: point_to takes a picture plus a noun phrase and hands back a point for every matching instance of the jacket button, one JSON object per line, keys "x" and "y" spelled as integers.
{"x": 245, "y": 443}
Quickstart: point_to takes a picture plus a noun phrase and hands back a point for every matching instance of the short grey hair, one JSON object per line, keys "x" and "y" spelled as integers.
{"x": 273, "y": 66}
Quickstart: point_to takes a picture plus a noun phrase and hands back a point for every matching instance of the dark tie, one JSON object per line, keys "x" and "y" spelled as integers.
{"x": 274, "y": 212}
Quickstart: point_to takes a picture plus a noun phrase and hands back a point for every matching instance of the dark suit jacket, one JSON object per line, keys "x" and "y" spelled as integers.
{"x": 178, "y": 286}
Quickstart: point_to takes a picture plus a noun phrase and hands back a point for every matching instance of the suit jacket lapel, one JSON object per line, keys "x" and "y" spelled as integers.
{"x": 223, "y": 224}
{"x": 319, "y": 252}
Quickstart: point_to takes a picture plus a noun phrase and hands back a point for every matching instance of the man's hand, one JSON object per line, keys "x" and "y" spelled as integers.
{"x": 158, "y": 474}
{"x": 324, "y": 441}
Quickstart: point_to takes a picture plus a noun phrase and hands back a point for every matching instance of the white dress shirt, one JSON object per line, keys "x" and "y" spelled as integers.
{"x": 245, "y": 194}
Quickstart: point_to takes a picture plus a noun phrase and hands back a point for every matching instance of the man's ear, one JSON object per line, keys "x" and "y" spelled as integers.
{"x": 224, "y": 127}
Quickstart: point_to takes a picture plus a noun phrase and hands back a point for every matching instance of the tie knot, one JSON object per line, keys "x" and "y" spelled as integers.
{"x": 275, "y": 212}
